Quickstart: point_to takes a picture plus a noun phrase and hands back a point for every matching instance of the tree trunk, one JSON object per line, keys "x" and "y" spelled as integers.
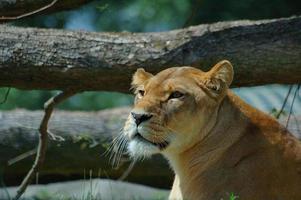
{"x": 87, "y": 136}
{"x": 262, "y": 52}
{"x": 13, "y": 8}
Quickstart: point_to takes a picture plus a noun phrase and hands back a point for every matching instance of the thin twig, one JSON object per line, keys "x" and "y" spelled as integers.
{"x": 5, "y": 96}
{"x": 284, "y": 102}
{"x": 51, "y": 135}
{"x": 196, "y": 8}
{"x": 27, "y": 127}
{"x": 43, "y": 130}
{"x": 292, "y": 105}
{"x": 37, "y": 178}
{"x": 5, "y": 18}
{"x": 4, "y": 188}
{"x": 298, "y": 130}
{"x": 21, "y": 157}
{"x": 55, "y": 137}
{"x": 127, "y": 171}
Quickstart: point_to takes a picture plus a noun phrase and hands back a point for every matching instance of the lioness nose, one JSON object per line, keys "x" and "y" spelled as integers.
{"x": 139, "y": 118}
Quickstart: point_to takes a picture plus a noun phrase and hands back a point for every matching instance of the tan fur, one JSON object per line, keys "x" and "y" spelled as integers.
{"x": 218, "y": 144}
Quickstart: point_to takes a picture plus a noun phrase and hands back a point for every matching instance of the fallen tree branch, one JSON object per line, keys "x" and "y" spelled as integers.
{"x": 87, "y": 136}
{"x": 16, "y": 9}
{"x": 262, "y": 52}
{"x": 43, "y": 130}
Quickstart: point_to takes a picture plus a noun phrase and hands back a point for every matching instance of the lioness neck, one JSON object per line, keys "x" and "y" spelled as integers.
{"x": 190, "y": 164}
{"x": 235, "y": 121}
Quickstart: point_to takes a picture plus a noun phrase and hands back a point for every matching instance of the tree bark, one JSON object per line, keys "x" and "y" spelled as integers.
{"x": 87, "y": 136}
{"x": 262, "y": 52}
{"x": 13, "y": 8}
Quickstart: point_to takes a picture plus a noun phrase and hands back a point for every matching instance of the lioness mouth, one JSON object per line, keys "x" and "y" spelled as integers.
{"x": 160, "y": 145}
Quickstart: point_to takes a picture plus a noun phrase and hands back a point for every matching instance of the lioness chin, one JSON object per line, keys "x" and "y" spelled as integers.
{"x": 215, "y": 142}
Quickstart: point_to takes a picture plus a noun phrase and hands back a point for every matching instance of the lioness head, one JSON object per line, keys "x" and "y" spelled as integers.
{"x": 173, "y": 108}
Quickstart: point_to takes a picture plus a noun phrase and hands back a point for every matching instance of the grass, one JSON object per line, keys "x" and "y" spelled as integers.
{"x": 87, "y": 194}
{"x": 44, "y": 195}
{"x": 90, "y": 195}
{"x": 233, "y": 196}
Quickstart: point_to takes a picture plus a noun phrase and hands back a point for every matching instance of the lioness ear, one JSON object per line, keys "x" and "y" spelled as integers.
{"x": 140, "y": 77}
{"x": 221, "y": 73}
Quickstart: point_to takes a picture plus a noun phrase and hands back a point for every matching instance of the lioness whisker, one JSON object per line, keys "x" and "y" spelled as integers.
{"x": 120, "y": 146}
{"x": 120, "y": 150}
{"x": 115, "y": 147}
{"x": 113, "y": 143}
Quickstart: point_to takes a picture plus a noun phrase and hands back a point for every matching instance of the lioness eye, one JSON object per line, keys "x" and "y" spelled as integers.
{"x": 175, "y": 95}
{"x": 141, "y": 92}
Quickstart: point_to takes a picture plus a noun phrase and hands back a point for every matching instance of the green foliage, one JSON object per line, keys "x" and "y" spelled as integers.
{"x": 90, "y": 101}
{"x": 157, "y": 15}
{"x": 215, "y": 10}
{"x": 142, "y": 15}
{"x": 97, "y": 101}
{"x": 23, "y": 99}
{"x": 277, "y": 113}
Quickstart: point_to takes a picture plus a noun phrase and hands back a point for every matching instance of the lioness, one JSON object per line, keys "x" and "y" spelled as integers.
{"x": 215, "y": 142}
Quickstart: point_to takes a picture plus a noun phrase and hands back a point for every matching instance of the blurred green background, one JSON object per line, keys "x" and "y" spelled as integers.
{"x": 139, "y": 16}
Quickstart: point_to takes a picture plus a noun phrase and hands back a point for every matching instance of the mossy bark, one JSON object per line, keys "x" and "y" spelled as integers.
{"x": 87, "y": 138}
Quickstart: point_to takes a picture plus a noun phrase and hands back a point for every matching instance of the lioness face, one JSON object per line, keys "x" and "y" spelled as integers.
{"x": 172, "y": 107}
